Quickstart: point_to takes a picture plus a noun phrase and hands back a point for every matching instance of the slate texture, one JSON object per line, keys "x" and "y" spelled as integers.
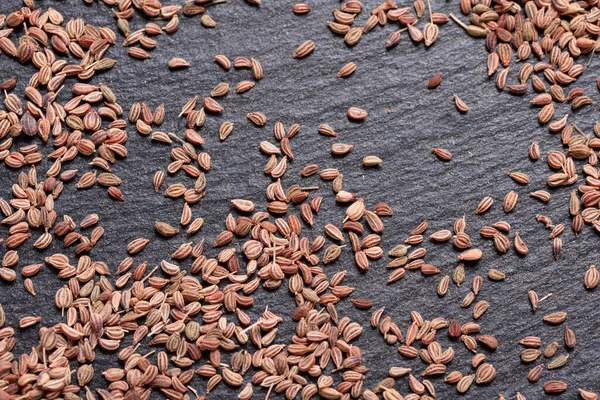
{"x": 405, "y": 121}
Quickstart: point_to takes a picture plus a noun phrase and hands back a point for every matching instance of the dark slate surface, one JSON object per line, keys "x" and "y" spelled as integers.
{"x": 405, "y": 121}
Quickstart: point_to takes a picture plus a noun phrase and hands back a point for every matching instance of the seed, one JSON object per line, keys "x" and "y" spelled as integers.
{"x": 212, "y": 105}
{"x": 244, "y": 86}
{"x": 519, "y": 177}
{"x": 301, "y": 8}
{"x": 442, "y": 288}
{"x": 530, "y": 355}
{"x": 326, "y": 130}
{"x": 397, "y": 372}
{"x": 340, "y": 149}
{"x": 442, "y": 154}
{"x": 138, "y": 53}
{"x": 484, "y": 205}
{"x": 26, "y": 322}
{"x": 510, "y": 201}
{"x": 356, "y": 113}
{"x": 496, "y": 275}
{"x": 137, "y": 245}
{"x": 304, "y": 49}
{"x": 165, "y": 229}
{"x": 550, "y": 350}
{"x": 257, "y": 118}
{"x": 225, "y": 130}
{"x": 223, "y": 61}
{"x": 556, "y": 317}
{"x": 558, "y": 362}
{"x": 441, "y": 236}
{"x": 470, "y": 255}
{"x": 480, "y": 309}
{"x": 541, "y": 195}
{"x": 353, "y": 36}
{"x": 485, "y": 374}
{"x": 257, "y": 69}
{"x": 371, "y": 161}
{"x": 434, "y": 81}
{"x": 460, "y": 105}
{"x": 535, "y": 373}
{"x": 220, "y": 90}
{"x": 347, "y": 70}
{"x": 555, "y": 386}
{"x": 570, "y": 340}
{"x": 533, "y": 299}
{"x": 465, "y": 383}
{"x": 591, "y": 278}
{"x": 362, "y": 304}
{"x": 556, "y": 247}
{"x": 531, "y": 341}
{"x": 520, "y": 245}
{"x": 458, "y": 277}
{"x": 175, "y": 63}
{"x": 585, "y": 395}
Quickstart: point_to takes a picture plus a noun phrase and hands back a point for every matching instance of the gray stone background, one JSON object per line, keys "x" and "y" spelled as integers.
{"x": 405, "y": 121}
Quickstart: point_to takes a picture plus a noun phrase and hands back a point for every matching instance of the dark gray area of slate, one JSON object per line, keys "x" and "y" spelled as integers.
{"x": 405, "y": 121}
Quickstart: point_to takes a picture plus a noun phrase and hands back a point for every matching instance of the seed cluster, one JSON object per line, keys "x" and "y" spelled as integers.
{"x": 193, "y": 310}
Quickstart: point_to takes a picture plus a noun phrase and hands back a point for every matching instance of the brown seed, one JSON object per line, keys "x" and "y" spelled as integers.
{"x": 496, "y": 275}
{"x": 541, "y": 195}
{"x": 470, "y": 255}
{"x": 556, "y": 317}
{"x": 223, "y": 61}
{"x": 257, "y": 118}
{"x": 550, "y": 350}
{"x": 257, "y": 69}
{"x": 165, "y": 229}
{"x": 558, "y": 362}
{"x": 570, "y": 339}
{"x": 244, "y": 86}
{"x": 510, "y": 201}
{"x": 535, "y": 373}
{"x": 347, "y": 70}
{"x": 555, "y": 386}
{"x": 137, "y": 245}
{"x": 442, "y": 288}
{"x": 304, "y": 49}
{"x": 484, "y": 205}
{"x": 434, "y": 81}
{"x": 520, "y": 245}
{"x": 357, "y": 114}
{"x": 533, "y": 299}
{"x": 363, "y": 304}
{"x": 530, "y": 355}
{"x": 591, "y": 278}
{"x": 586, "y": 395}
{"x": 442, "y": 154}
{"x": 225, "y": 130}
{"x": 371, "y": 161}
{"x": 301, "y": 8}
{"x": 485, "y": 374}
{"x": 460, "y": 105}
{"x": 175, "y": 63}
{"x": 465, "y": 383}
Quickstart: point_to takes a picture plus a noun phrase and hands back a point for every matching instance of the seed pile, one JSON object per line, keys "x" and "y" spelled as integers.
{"x": 184, "y": 327}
